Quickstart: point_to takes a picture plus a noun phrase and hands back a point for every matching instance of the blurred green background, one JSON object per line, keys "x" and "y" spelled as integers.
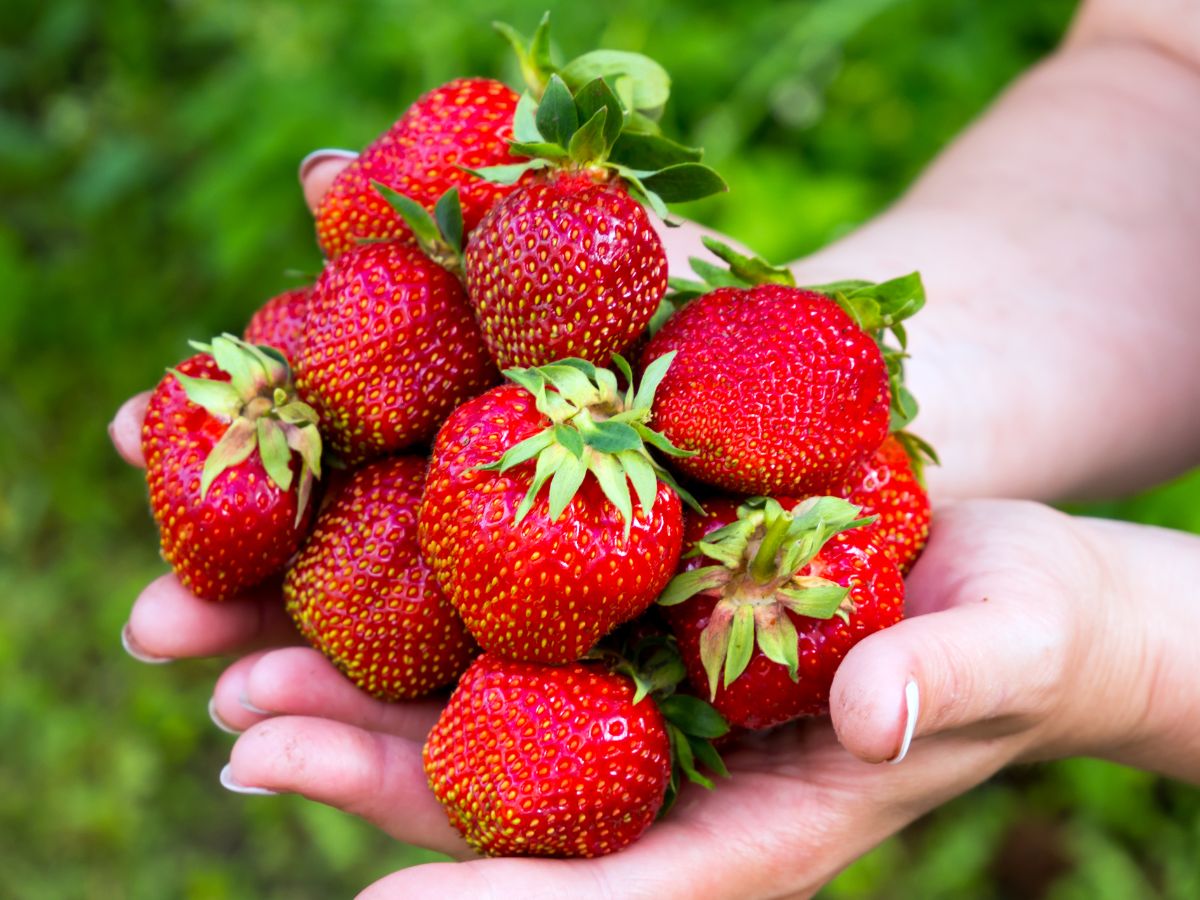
{"x": 147, "y": 173}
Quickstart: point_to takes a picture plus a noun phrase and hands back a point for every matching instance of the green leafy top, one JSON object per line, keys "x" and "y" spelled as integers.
{"x": 879, "y": 309}
{"x": 758, "y": 557}
{"x": 599, "y": 113}
{"x": 594, "y": 427}
{"x": 263, "y": 411}
{"x": 440, "y": 234}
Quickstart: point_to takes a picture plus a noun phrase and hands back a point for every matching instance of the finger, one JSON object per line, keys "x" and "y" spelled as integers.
{"x": 169, "y": 622}
{"x": 318, "y": 170}
{"x": 300, "y": 681}
{"x": 992, "y": 667}
{"x": 377, "y": 777}
{"x": 125, "y": 430}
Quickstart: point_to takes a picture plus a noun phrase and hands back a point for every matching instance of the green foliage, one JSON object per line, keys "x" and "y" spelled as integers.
{"x": 147, "y": 160}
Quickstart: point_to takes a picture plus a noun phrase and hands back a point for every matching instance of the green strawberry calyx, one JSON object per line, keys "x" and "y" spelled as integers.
{"x": 599, "y": 113}
{"x": 264, "y": 414}
{"x": 879, "y": 309}
{"x": 439, "y": 234}
{"x": 594, "y": 427}
{"x": 757, "y": 576}
{"x": 656, "y": 668}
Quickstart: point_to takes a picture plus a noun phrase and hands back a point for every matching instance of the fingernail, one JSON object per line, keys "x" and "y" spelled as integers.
{"x": 132, "y": 648}
{"x": 246, "y": 704}
{"x": 217, "y": 720}
{"x": 232, "y": 784}
{"x": 912, "y": 706}
{"x": 317, "y": 157}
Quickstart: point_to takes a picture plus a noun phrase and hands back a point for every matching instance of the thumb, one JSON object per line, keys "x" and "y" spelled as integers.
{"x": 992, "y": 667}
{"x": 318, "y": 171}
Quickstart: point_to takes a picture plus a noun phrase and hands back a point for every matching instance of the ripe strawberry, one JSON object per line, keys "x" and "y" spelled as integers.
{"x": 567, "y": 266}
{"x": 279, "y": 322}
{"x": 887, "y": 486}
{"x": 223, "y": 486}
{"x": 764, "y": 631}
{"x": 573, "y": 760}
{"x": 389, "y": 349}
{"x": 541, "y": 579}
{"x": 361, "y": 594}
{"x": 779, "y": 389}
{"x": 464, "y": 124}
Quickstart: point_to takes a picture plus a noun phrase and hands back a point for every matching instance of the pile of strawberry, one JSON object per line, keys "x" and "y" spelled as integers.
{"x": 530, "y": 540}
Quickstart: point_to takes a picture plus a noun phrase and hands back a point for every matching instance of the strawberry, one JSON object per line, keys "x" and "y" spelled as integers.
{"x": 778, "y": 389}
{"x": 461, "y": 125}
{"x": 279, "y": 322}
{"x": 573, "y": 760}
{"x": 542, "y": 578}
{"x": 763, "y": 631}
{"x": 389, "y": 349}
{"x": 361, "y": 594}
{"x": 231, "y": 503}
{"x": 887, "y": 486}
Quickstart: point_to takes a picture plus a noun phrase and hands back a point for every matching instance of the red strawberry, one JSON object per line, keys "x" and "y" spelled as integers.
{"x": 389, "y": 349}
{"x": 361, "y": 594}
{"x": 279, "y": 322}
{"x": 573, "y": 760}
{"x": 230, "y": 502}
{"x": 568, "y": 266}
{"x": 776, "y": 389}
{"x": 543, "y": 578}
{"x": 886, "y": 486}
{"x": 463, "y": 124}
{"x": 762, "y": 662}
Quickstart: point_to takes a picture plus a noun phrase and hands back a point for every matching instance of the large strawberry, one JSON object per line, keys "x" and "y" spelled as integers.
{"x": 279, "y": 322}
{"x": 361, "y": 594}
{"x": 764, "y": 629}
{"x": 778, "y": 389}
{"x": 389, "y": 349}
{"x": 230, "y": 500}
{"x": 573, "y": 760}
{"x": 465, "y": 124}
{"x": 542, "y": 576}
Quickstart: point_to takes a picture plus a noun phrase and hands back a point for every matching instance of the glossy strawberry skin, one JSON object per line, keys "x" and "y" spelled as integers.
{"x": 389, "y": 349}
{"x": 532, "y": 760}
{"x": 763, "y": 695}
{"x": 466, "y": 123}
{"x": 775, "y": 388}
{"x": 245, "y": 529}
{"x": 279, "y": 322}
{"x": 564, "y": 267}
{"x": 537, "y": 591}
{"x": 360, "y": 593}
{"x": 886, "y": 486}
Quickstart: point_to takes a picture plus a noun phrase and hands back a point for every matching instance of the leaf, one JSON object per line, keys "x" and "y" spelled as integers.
{"x": 660, "y": 441}
{"x": 525, "y": 130}
{"x": 245, "y": 373}
{"x": 447, "y": 212}
{"x": 693, "y": 716}
{"x": 715, "y": 276}
{"x": 539, "y": 149}
{"x": 641, "y": 473}
{"x": 218, "y": 397}
{"x": 556, "y": 117}
{"x": 751, "y": 269}
{"x": 815, "y": 601}
{"x": 650, "y": 152}
{"x": 507, "y": 174}
{"x": 615, "y": 486}
{"x": 547, "y": 464}
{"x": 533, "y": 55}
{"x": 686, "y": 759}
{"x": 565, "y": 484}
{"x": 685, "y": 181}
{"x": 687, "y": 584}
{"x": 777, "y": 638}
{"x": 708, "y": 757}
{"x": 741, "y": 644}
{"x": 570, "y": 438}
{"x": 611, "y": 437}
{"x": 522, "y": 452}
{"x": 595, "y": 96}
{"x": 649, "y": 83}
{"x": 651, "y": 378}
{"x": 587, "y": 144}
{"x": 274, "y": 451}
{"x": 235, "y": 447}
{"x": 714, "y": 645}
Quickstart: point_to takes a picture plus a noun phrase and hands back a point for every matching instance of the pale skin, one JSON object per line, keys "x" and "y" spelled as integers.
{"x": 1056, "y": 358}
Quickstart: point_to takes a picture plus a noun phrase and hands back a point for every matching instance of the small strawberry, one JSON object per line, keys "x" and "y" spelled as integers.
{"x": 389, "y": 349}
{"x": 573, "y": 760}
{"x": 887, "y": 486}
{"x": 763, "y": 631}
{"x": 361, "y": 594}
{"x": 464, "y": 124}
{"x": 778, "y": 389}
{"x": 279, "y": 322}
{"x": 542, "y": 578}
{"x": 231, "y": 503}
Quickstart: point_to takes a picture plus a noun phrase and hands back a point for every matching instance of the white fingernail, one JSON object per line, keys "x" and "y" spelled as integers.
{"x": 246, "y": 704}
{"x": 132, "y": 648}
{"x": 232, "y": 784}
{"x": 319, "y": 156}
{"x": 217, "y": 720}
{"x": 912, "y": 704}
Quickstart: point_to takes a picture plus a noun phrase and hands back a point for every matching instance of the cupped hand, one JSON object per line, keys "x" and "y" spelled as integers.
{"x": 1017, "y": 634}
